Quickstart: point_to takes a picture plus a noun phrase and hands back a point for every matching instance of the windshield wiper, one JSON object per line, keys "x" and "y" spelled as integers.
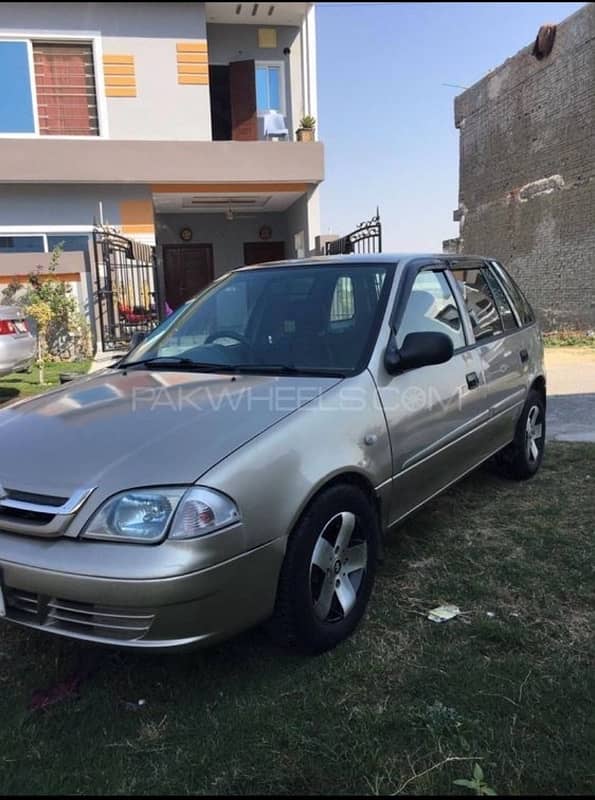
{"x": 181, "y": 363}
{"x": 176, "y": 362}
{"x": 287, "y": 369}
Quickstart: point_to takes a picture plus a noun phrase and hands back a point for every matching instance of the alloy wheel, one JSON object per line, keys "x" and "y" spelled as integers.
{"x": 337, "y": 568}
{"x": 533, "y": 434}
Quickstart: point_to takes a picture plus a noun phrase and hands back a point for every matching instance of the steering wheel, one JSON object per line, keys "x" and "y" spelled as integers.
{"x": 223, "y": 334}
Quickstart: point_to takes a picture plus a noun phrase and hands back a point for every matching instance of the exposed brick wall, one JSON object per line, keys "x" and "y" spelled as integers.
{"x": 527, "y": 172}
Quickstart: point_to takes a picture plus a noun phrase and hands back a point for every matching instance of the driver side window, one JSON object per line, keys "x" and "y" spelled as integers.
{"x": 432, "y": 308}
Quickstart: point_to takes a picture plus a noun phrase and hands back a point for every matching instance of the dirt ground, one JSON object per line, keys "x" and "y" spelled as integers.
{"x": 571, "y": 394}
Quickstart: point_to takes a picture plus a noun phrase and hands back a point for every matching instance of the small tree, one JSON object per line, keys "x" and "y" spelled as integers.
{"x": 43, "y": 316}
{"x": 8, "y": 297}
{"x": 44, "y": 288}
{"x": 67, "y": 333}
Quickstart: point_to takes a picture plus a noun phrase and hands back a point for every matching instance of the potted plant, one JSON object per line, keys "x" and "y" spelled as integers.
{"x": 305, "y": 133}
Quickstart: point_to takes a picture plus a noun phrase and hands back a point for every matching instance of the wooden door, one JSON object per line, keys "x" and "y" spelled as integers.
{"x": 187, "y": 270}
{"x": 242, "y": 90}
{"x": 259, "y": 252}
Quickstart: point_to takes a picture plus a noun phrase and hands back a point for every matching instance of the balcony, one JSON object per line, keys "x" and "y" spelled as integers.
{"x": 95, "y": 160}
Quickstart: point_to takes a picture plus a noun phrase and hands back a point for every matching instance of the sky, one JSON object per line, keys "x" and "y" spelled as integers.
{"x": 387, "y": 120}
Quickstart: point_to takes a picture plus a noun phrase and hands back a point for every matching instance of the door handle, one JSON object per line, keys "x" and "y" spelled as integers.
{"x": 472, "y": 380}
{"x": 524, "y": 356}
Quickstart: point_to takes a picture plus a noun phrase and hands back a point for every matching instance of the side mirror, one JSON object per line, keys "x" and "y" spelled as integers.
{"x": 418, "y": 350}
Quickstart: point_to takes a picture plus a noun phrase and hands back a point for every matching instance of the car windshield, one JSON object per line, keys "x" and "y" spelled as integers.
{"x": 308, "y": 318}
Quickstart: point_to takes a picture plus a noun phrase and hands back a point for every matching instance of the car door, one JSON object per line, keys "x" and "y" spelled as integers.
{"x": 434, "y": 413}
{"x": 500, "y": 345}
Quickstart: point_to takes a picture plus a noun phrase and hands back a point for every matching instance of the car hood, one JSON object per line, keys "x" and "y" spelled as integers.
{"x": 140, "y": 428}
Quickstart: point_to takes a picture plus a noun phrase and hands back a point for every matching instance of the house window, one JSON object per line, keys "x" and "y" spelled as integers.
{"x": 16, "y": 103}
{"x": 270, "y": 88}
{"x": 69, "y": 243}
{"x": 55, "y": 96}
{"x": 65, "y": 83}
{"x": 22, "y": 244}
{"x": 43, "y": 243}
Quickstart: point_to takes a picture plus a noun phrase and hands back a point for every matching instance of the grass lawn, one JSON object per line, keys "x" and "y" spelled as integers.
{"x": 510, "y": 685}
{"x": 569, "y": 339}
{"x": 23, "y": 384}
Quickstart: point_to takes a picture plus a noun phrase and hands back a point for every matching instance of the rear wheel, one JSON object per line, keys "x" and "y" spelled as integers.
{"x": 522, "y": 458}
{"x": 328, "y": 572}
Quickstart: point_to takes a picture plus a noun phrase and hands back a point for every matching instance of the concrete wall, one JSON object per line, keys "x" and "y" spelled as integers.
{"x": 162, "y": 108}
{"x": 527, "y": 172}
{"x": 229, "y": 43}
{"x": 42, "y": 204}
{"x": 297, "y": 220}
{"x": 22, "y": 264}
{"x": 73, "y": 268}
{"x": 54, "y": 160}
{"x": 226, "y": 237}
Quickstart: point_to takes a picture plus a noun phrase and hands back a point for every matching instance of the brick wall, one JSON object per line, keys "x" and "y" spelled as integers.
{"x": 527, "y": 172}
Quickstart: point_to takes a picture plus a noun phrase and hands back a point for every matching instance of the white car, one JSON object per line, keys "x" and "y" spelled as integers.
{"x": 17, "y": 345}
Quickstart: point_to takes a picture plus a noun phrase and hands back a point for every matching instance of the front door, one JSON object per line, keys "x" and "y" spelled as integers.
{"x": 260, "y": 252}
{"x": 242, "y": 94}
{"x": 187, "y": 270}
{"x": 436, "y": 414}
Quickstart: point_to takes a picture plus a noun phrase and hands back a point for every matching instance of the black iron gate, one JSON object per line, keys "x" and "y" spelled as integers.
{"x": 366, "y": 238}
{"x": 126, "y": 288}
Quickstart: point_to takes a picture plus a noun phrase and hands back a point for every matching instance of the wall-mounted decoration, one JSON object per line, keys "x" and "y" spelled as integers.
{"x": 193, "y": 62}
{"x": 267, "y": 37}
{"x": 265, "y": 233}
{"x": 119, "y": 75}
{"x": 186, "y": 235}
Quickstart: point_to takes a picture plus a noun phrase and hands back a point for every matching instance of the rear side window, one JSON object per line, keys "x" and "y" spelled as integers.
{"x": 480, "y": 303}
{"x": 504, "y": 307}
{"x": 521, "y": 304}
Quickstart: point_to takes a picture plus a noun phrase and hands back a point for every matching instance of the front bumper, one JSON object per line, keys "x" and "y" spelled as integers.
{"x": 190, "y": 610}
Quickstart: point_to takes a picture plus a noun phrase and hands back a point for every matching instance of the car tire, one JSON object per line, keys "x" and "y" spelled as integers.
{"x": 328, "y": 571}
{"x": 521, "y": 459}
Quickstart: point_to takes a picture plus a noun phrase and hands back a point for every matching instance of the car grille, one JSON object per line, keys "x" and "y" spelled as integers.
{"x": 71, "y": 617}
{"x": 37, "y": 499}
{"x": 38, "y": 514}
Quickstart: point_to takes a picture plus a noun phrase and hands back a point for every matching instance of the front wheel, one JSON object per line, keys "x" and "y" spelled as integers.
{"x": 328, "y": 572}
{"x": 522, "y": 458}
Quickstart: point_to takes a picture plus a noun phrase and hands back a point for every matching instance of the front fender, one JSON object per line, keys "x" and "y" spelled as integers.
{"x": 273, "y": 477}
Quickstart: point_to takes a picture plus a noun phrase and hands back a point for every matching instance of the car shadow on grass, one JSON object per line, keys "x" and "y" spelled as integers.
{"x": 8, "y": 393}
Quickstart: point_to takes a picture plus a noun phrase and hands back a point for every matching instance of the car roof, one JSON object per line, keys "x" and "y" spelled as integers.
{"x": 363, "y": 258}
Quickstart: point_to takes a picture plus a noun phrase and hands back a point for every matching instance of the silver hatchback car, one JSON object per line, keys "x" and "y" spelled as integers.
{"x": 243, "y": 463}
{"x": 17, "y": 345}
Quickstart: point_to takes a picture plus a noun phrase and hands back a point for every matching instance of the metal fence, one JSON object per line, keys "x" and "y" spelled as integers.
{"x": 126, "y": 288}
{"x": 366, "y": 238}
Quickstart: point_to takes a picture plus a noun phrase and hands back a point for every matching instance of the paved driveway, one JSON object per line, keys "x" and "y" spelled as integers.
{"x": 571, "y": 394}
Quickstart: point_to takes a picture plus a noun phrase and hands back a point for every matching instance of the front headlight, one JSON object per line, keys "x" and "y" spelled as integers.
{"x": 146, "y": 515}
